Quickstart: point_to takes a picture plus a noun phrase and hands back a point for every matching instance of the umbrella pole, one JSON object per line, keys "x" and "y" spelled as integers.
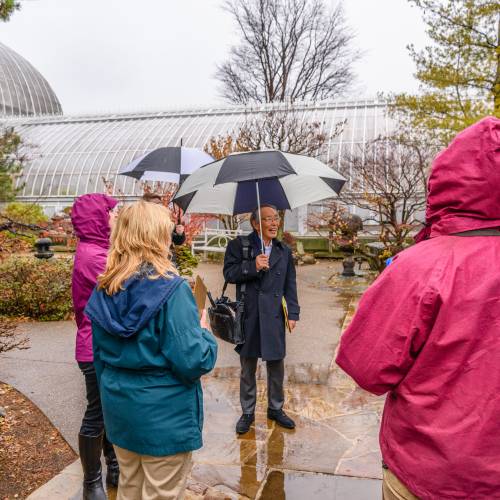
{"x": 260, "y": 219}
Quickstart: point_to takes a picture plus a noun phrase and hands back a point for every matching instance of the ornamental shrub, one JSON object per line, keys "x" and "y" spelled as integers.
{"x": 36, "y": 289}
{"x": 11, "y": 243}
{"x": 27, "y": 213}
{"x": 185, "y": 260}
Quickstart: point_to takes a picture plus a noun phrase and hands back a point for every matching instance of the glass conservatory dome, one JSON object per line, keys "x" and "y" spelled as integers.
{"x": 23, "y": 90}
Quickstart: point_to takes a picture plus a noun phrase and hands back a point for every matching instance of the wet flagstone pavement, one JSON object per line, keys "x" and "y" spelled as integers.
{"x": 332, "y": 454}
{"x": 336, "y": 435}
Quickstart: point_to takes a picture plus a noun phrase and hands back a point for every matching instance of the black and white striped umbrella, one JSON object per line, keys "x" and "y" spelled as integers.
{"x": 243, "y": 181}
{"x": 170, "y": 164}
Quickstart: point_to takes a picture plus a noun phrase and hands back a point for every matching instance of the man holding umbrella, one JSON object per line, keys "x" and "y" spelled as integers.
{"x": 271, "y": 180}
{"x": 269, "y": 276}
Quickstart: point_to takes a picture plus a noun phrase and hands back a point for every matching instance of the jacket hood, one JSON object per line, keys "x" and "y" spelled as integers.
{"x": 90, "y": 218}
{"x": 464, "y": 185}
{"x": 128, "y": 311}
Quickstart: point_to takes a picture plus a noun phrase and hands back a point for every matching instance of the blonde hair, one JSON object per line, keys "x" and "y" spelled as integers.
{"x": 142, "y": 234}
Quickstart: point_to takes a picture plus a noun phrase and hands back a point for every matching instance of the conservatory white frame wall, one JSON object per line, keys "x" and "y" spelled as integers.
{"x": 73, "y": 155}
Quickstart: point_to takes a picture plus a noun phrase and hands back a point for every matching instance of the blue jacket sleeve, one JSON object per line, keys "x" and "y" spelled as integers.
{"x": 190, "y": 349}
{"x": 237, "y": 270}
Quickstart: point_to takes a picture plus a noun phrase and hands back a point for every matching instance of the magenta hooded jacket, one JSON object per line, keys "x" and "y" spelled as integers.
{"x": 427, "y": 333}
{"x": 90, "y": 218}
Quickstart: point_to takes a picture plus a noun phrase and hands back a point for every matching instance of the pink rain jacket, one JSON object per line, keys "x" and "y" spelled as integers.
{"x": 90, "y": 218}
{"x": 427, "y": 332}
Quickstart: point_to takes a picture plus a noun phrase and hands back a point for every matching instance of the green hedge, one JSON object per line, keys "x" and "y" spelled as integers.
{"x": 36, "y": 289}
{"x": 315, "y": 244}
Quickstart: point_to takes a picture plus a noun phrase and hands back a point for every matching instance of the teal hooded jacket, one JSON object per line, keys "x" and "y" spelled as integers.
{"x": 149, "y": 354}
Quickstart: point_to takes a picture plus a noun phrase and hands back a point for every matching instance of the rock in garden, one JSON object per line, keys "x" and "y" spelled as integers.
{"x": 308, "y": 259}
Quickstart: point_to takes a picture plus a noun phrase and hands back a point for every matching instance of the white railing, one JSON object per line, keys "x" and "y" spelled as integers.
{"x": 214, "y": 240}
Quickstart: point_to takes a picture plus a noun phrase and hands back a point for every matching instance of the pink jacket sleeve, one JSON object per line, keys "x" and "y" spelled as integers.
{"x": 390, "y": 327}
{"x": 87, "y": 269}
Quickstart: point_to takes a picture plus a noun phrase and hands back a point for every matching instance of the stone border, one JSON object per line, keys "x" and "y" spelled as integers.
{"x": 65, "y": 485}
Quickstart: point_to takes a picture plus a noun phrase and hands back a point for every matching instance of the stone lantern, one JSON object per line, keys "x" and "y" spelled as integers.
{"x": 42, "y": 247}
{"x": 353, "y": 224}
{"x": 348, "y": 266}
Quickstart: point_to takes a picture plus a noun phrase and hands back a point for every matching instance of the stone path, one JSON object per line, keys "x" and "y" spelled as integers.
{"x": 332, "y": 454}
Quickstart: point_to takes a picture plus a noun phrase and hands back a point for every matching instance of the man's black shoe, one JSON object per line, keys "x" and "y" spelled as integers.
{"x": 244, "y": 423}
{"x": 281, "y": 418}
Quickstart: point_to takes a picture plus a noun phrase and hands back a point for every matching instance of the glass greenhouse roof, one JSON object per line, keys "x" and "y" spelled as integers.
{"x": 73, "y": 155}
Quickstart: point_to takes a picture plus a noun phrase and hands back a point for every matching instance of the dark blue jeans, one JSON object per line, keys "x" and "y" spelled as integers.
{"x": 93, "y": 422}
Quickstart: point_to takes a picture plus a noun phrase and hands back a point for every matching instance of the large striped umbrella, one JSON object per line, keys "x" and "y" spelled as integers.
{"x": 242, "y": 182}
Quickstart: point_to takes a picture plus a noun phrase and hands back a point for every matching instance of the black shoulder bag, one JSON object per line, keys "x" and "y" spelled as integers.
{"x": 226, "y": 316}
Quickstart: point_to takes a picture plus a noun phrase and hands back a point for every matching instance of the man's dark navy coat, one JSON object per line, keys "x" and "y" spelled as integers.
{"x": 264, "y": 319}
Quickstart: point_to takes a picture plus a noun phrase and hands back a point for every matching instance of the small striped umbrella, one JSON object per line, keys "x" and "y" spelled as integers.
{"x": 169, "y": 164}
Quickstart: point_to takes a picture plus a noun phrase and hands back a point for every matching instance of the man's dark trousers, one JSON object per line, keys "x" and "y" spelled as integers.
{"x": 248, "y": 384}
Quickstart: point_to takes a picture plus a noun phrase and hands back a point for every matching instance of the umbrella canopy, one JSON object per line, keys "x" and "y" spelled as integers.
{"x": 170, "y": 164}
{"x": 234, "y": 184}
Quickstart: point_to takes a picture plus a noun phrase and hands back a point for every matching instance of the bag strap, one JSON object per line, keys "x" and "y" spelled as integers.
{"x": 479, "y": 232}
{"x": 246, "y": 247}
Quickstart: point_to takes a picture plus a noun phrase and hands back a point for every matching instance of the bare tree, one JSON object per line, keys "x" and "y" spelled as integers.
{"x": 219, "y": 147}
{"x": 388, "y": 180}
{"x": 286, "y": 130}
{"x": 290, "y": 50}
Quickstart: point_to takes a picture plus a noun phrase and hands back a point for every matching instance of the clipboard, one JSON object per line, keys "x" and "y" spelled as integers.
{"x": 285, "y": 314}
{"x": 200, "y": 294}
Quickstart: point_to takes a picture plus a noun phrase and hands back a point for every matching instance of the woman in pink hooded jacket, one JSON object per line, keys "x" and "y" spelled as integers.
{"x": 92, "y": 216}
{"x": 427, "y": 333}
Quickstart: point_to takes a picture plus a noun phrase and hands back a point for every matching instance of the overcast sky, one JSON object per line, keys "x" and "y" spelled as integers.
{"x": 129, "y": 55}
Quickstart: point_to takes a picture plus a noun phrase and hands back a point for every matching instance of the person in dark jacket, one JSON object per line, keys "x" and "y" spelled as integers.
{"x": 92, "y": 216}
{"x": 269, "y": 277}
{"x": 150, "y": 351}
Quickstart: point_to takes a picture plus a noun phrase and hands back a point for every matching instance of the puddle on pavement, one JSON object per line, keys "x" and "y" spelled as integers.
{"x": 297, "y": 486}
{"x": 111, "y": 493}
{"x": 337, "y": 433}
{"x": 346, "y": 290}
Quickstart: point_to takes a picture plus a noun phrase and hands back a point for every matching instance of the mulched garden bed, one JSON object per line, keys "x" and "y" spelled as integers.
{"x": 32, "y": 451}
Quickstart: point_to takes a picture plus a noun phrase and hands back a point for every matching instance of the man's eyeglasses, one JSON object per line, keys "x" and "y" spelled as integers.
{"x": 268, "y": 220}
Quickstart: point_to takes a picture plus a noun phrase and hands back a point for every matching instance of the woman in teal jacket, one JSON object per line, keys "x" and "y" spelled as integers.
{"x": 150, "y": 351}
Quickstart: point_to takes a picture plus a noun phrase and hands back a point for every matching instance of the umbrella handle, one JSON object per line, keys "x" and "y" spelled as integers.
{"x": 260, "y": 218}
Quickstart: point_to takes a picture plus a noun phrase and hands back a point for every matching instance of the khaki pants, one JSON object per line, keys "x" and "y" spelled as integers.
{"x": 143, "y": 477}
{"x": 394, "y": 489}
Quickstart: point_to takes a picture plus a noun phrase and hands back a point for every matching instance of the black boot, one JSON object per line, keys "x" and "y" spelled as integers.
{"x": 90, "y": 456}
{"x": 244, "y": 423}
{"x": 113, "y": 470}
